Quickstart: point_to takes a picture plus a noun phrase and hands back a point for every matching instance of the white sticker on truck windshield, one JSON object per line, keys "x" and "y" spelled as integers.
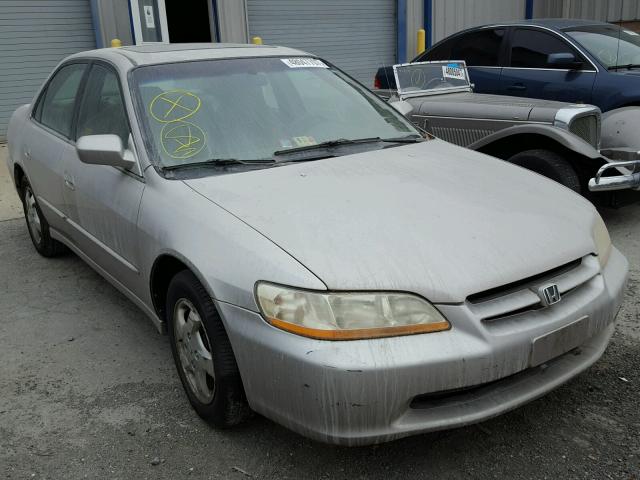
{"x": 304, "y": 63}
{"x": 453, "y": 71}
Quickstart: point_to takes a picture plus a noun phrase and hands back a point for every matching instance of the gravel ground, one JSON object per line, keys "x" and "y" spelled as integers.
{"x": 88, "y": 390}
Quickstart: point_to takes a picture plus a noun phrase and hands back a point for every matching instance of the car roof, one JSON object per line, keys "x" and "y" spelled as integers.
{"x": 552, "y": 23}
{"x": 157, "y": 53}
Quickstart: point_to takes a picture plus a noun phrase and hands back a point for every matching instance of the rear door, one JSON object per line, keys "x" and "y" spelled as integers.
{"x": 47, "y": 133}
{"x": 528, "y": 73}
{"x": 482, "y": 50}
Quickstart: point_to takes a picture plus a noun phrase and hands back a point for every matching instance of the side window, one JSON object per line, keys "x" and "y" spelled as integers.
{"x": 55, "y": 108}
{"x": 479, "y": 48}
{"x": 530, "y": 48}
{"x": 102, "y": 110}
{"x": 439, "y": 52}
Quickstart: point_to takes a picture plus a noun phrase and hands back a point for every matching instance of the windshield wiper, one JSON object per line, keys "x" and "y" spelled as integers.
{"x": 345, "y": 141}
{"x": 628, "y": 66}
{"x": 218, "y": 162}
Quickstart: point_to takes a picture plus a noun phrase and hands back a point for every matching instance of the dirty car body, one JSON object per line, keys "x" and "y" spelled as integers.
{"x": 368, "y": 289}
{"x": 522, "y": 130}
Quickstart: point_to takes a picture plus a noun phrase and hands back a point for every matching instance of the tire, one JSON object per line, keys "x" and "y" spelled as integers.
{"x": 203, "y": 354}
{"x": 37, "y": 224}
{"x": 549, "y": 164}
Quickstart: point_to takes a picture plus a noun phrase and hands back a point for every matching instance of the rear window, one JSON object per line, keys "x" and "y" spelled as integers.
{"x": 480, "y": 48}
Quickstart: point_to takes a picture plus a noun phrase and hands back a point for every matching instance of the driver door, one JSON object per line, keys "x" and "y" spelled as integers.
{"x": 103, "y": 200}
{"x": 528, "y": 74}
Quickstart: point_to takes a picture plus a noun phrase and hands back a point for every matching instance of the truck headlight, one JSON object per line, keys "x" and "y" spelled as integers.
{"x": 347, "y": 315}
{"x": 602, "y": 241}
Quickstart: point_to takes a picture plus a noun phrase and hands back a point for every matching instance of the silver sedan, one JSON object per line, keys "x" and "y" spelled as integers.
{"x": 312, "y": 256}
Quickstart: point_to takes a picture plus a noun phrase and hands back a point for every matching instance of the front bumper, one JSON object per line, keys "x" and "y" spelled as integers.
{"x": 371, "y": 391}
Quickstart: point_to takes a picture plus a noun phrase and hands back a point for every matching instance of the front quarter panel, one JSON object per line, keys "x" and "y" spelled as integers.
{"x": 613, "y": 90}
{"x": 227, "y": 255}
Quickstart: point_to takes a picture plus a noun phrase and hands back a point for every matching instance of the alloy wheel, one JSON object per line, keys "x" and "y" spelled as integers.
{"x": 33, "y": 219}
{"x": 194, "y": 350}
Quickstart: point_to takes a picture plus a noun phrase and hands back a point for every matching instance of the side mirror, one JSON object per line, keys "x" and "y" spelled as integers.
{"x": 402, "y": 106}
{"x": 617, "y": 182}
{"x": 104, "y": 150}
{"x": 563, "y": 60}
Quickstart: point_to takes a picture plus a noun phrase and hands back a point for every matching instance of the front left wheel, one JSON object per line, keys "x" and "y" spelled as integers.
{"x": 549, "y": 164}
{"x": 202, "y": 353}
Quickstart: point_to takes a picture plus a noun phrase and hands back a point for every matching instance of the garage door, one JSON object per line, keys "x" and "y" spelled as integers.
{"x": 356, "y": 35}
{"x": 34, "y": 36}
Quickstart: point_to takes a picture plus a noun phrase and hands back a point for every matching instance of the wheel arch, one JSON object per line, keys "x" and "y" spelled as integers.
{"x": 18, "y": 177}
{"x": 507, "y": 146}
{"x": 166, "y": 266}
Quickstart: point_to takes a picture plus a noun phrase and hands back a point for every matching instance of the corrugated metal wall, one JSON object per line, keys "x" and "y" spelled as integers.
{"x": 356, "y": 35}
{"x": 114, "y": 21}
{"x": 34, "y": 36}
{"x": 602, "y": 10}
{"x": 452, "y": 16}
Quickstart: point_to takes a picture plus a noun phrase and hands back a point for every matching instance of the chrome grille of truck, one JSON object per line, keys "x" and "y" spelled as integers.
{"x": 587, "y": 128}
{"x": 521, "y": 297}
{"x": 460, "y": 136}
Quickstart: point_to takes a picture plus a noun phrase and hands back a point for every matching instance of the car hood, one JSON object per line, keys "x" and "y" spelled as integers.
{"x": 485, "y": 106}
{"x": 632, "y": 73}
{"x": 430, "y": 218}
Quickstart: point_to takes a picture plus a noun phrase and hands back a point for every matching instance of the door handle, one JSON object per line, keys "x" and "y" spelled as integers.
{"x": 27, "y": 154}
{"x": 518, "y": 87}
{"x": 69, "y": 183}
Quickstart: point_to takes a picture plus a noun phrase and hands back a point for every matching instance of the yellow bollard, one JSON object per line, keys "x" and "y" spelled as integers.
{"x": 116, "y": 43}
{"x": 422, "y": 36}
{"x": 256, "y": 40}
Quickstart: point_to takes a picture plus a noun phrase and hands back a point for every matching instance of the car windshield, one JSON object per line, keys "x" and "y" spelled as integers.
{"x": 249, "y": 109}
{"x": 613, "y": 46}
{"x": 431, "y": 77}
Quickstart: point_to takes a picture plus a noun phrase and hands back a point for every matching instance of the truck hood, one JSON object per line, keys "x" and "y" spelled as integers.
{"x": 484, "y": 106}
{"x": 430, "y": 218}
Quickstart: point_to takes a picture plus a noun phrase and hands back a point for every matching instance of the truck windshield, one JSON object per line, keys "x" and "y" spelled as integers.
{"x": 431, "y": 77}
{"x": 247, "y": 109}
{"x": 613, "y": 46}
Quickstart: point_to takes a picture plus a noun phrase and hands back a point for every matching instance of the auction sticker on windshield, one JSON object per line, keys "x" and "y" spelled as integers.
{"x": 453, "y": 71}
{"x": 304, "y": 63}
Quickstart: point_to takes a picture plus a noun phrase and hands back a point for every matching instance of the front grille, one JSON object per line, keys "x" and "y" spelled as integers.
{"x": 521, "y": 296}
{"x": 460, "y": 136}
{"x": 587, "y": 128}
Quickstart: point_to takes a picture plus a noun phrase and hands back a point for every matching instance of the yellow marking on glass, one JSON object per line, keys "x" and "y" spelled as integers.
{"x": 304, "y": 141}
{"x": 174, "y": 106}
{"x": 182, "y": 140}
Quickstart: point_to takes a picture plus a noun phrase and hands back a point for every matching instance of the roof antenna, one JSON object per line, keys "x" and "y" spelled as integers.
{"x": 619, "y": 33}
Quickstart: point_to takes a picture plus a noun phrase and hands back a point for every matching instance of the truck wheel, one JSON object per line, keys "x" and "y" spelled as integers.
{"x": 37, "y": 224}
{"x": 549, "y": 164}
{"x": 203, "y": 354}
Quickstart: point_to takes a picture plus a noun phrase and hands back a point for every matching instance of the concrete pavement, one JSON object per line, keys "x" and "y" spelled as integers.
{"x": 10, "y": 206}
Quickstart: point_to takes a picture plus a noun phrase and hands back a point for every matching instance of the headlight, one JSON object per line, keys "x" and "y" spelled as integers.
{"x": 602, "y": 241}
{"x": 347, "y": 316}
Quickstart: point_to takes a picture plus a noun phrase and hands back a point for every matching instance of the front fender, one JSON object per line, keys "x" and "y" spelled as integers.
{"x": 562, "y": 137}
{"x": 620, "y": 131}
